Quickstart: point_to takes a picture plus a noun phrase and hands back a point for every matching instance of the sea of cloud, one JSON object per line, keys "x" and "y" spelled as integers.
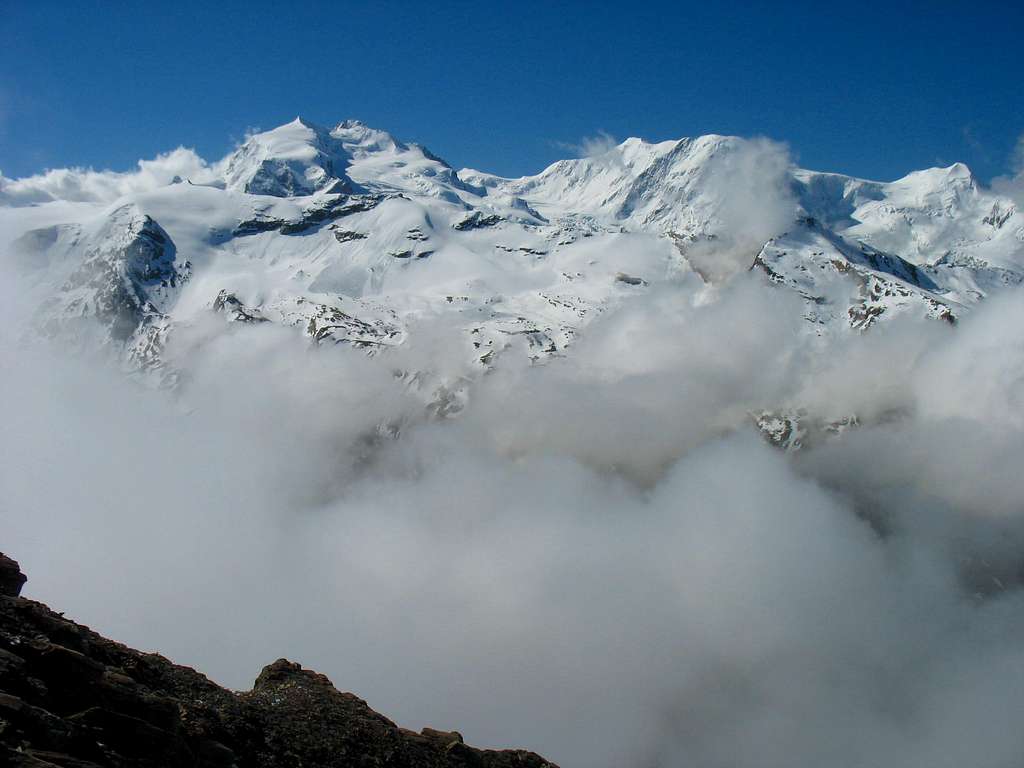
{"x": 599, "y": 558}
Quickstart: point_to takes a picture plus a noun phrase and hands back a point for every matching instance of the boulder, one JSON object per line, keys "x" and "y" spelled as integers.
{"x": 11, "y": 577}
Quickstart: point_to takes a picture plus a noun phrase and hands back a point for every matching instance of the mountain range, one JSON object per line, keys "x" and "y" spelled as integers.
{"x": 354, "y": 237}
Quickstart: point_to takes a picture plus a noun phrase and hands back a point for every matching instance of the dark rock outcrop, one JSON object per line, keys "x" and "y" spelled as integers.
{"x": 73, "y": 699}
{"x": 11, "y": 577}
{"x": 329, "y": 209}
{"x": 347, "y": 235}
{"x": 231, "y": 306}
{"x": 477, "y": 220}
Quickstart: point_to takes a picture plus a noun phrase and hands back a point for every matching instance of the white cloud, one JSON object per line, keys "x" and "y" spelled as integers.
{"x": 597, "y": 559}
{"x": 600, "y": 145}
{"x": 1013, "y": 185}
{"x": 87, "y": 185}
{"x": 749, "y": 192}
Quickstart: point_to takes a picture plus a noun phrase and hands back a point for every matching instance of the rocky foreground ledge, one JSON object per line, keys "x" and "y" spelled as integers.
{"x": 73, "y": 699}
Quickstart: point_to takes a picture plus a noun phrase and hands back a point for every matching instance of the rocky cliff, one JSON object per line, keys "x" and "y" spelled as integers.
{"x": 73, "y": 699}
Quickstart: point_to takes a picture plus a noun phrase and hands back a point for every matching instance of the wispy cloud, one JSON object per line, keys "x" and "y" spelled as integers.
{"x": 596, "y": 145}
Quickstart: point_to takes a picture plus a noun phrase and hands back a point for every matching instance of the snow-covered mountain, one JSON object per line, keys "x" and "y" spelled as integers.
{"x": 354, "y": 237}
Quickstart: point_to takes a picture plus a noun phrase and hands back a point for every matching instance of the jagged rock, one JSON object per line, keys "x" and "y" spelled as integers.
{"x": 125, "y": 280}
{"x": 11, "y": 577}
{"x": 73, "y": 699}
{"x": 326, "y": 323}
{"x": 235, "y": 310}
{"x": 477, "y": 220}
{"x": 345, "y": 205}
{"x": 257, "y": 224}
{"x": 328, "y": 209}
{"x": 345, "y": 236}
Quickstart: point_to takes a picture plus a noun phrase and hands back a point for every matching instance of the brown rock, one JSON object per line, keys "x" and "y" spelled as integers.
{"x": 444, "y": 738}
{"x": 74, "y": 699}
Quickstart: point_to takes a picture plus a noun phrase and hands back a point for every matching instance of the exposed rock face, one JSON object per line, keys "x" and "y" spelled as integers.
{"x": 73, "y": 699}
{"x": 235, "y": 310}
{"x": 477, "y": 220}
{"x": 125, "y": 280}
{"x": 11, "y": 577}
{"x": 327, "y": 209}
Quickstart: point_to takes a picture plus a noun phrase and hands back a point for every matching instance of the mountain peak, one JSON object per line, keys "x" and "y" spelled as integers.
{"x": 360, "y": 139}
{"x": 297, "y": 158}
{"x": 959, "y": 170}
{"x": 939, "y": 176}
{"x": 351, "y": 124}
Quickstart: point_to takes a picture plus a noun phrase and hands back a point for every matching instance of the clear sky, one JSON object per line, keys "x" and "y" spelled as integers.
{"x": 871, "y": 89}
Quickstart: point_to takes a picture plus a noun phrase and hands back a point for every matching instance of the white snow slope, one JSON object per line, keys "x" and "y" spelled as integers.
{"x": 354, "y": 237}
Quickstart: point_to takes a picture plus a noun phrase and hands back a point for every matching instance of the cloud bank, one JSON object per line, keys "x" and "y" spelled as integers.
{"x": 599, "y": 559}
{"x": 87, "y": 185}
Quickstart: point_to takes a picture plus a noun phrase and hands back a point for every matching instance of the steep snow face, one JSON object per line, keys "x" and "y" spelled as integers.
{"x": 294, "y": 159}
{"x": 596, "y": 185}
{"x": 688, "y": 186}
{"x": 352, "y": 236}
{"x": 301, "y": 159}
{"x": 968, "y": 239}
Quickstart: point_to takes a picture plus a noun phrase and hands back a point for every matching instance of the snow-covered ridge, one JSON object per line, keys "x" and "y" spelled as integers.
{"x": 352, "y": 236}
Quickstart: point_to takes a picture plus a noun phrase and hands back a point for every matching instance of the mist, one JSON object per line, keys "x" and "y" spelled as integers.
{"x": 598, "y": 558}
{"x": 1012, "y": 185}
{"x": 751, "y": 202}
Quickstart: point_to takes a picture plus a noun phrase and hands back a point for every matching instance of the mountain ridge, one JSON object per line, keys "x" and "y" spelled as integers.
{"x": 304, "y": 222}
{"x": 74, "y": 699}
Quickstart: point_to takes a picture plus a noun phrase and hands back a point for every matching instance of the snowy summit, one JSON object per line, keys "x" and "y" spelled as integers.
{"x": 352, "y": 236}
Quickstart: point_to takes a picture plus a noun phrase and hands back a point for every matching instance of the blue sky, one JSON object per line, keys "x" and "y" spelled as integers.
{"x": 871, "y": 89}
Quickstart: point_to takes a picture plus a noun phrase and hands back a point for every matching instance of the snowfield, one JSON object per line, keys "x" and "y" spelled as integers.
{"x": 353, "y": 237}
